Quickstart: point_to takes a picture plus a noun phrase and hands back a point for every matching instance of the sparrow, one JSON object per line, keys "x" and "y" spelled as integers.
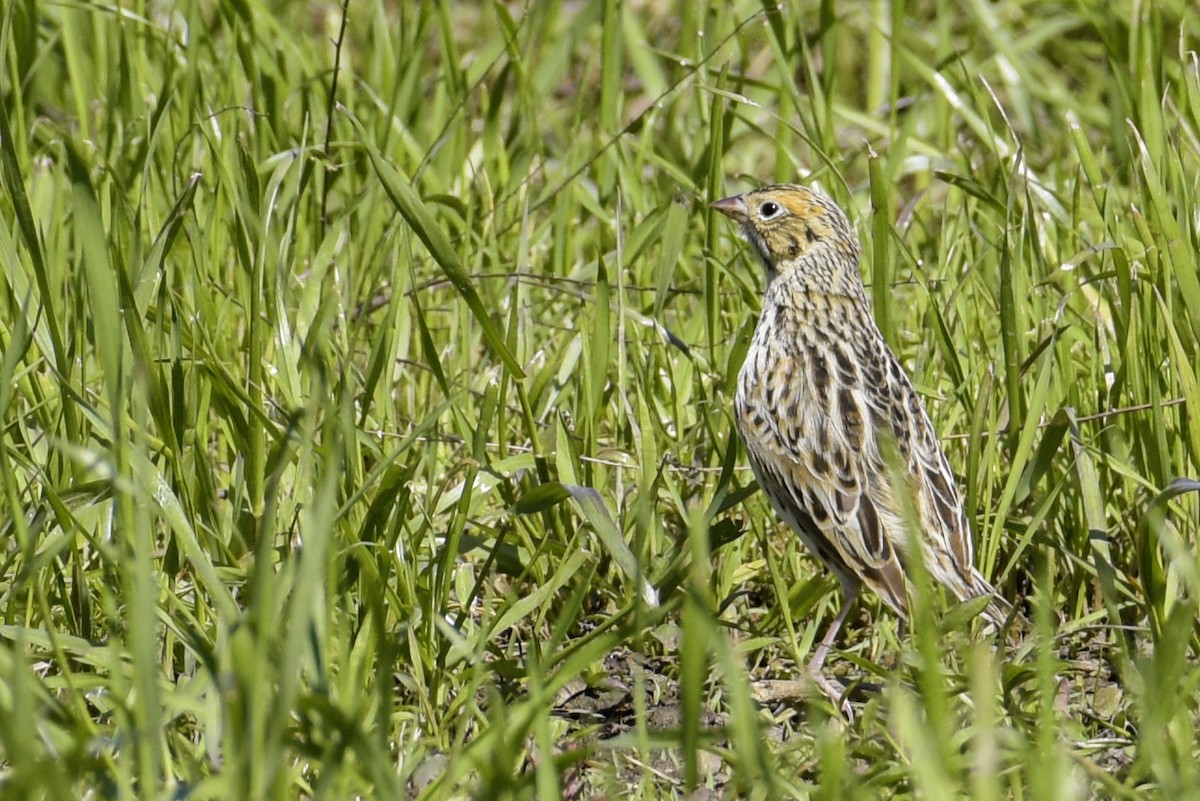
{"x": 827, "y": 414}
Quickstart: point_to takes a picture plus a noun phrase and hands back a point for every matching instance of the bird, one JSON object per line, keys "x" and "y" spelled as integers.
{"x": 831, "y": 422}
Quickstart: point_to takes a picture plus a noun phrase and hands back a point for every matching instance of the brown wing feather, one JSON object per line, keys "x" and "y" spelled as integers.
{"x": 946, "y": 543}
{"x": 804, "y": 416}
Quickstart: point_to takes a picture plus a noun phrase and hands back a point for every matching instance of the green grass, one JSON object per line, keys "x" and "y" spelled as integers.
{"x": 366, "y": 425}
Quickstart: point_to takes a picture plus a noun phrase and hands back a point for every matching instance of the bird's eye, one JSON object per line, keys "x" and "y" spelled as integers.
{"x": 768, "y": 210}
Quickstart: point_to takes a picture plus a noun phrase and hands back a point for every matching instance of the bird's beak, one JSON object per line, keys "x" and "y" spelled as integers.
{"x": 734, "y": 207}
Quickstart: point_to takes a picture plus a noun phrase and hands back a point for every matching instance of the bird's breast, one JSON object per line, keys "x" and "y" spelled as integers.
{"x": 780, "y": 386}
{"x": 802, "y": 386}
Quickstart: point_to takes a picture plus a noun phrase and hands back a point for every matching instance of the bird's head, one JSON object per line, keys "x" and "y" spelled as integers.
{"x": 793, "y": 228}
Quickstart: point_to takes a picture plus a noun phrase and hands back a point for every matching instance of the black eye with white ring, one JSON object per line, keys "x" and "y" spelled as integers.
{"x": 769, "y": 210}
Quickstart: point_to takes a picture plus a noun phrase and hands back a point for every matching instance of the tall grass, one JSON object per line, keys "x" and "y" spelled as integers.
{"x": 366, "y": 391}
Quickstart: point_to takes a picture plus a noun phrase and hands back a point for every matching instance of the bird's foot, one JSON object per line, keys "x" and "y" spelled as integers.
{"x": 772, "y": 691}
{"x": 835, "y": 692}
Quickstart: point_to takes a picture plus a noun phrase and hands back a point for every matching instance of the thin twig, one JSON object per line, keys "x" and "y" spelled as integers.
{"x": 333, "y": 88}
{"x": 1087, "y": 418}
{"x": 450, "y": 439}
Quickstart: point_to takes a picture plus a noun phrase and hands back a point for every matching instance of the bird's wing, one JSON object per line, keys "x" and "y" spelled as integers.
{"x": 810, "y": 432}
{"x": 817, "y": 422}
{"x": 946, "y": 535}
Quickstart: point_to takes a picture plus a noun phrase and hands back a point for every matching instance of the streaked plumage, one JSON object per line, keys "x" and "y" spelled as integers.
{"x": 820, "y": 399}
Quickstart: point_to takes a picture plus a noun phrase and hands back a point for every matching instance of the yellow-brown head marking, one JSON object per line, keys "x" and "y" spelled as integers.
{"x": 791, "y": 227}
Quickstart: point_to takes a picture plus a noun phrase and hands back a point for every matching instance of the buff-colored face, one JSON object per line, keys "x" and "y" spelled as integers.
{"x": 786, "y": 223}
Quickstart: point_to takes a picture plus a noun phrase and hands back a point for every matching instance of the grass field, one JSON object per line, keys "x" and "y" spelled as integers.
{"x": 366, "y": 396}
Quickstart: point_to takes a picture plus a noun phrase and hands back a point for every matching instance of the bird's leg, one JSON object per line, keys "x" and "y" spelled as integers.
{"x": 818, "y": 660}
{"x": 773, "y": 691}
{"x": 832, "y": 690}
